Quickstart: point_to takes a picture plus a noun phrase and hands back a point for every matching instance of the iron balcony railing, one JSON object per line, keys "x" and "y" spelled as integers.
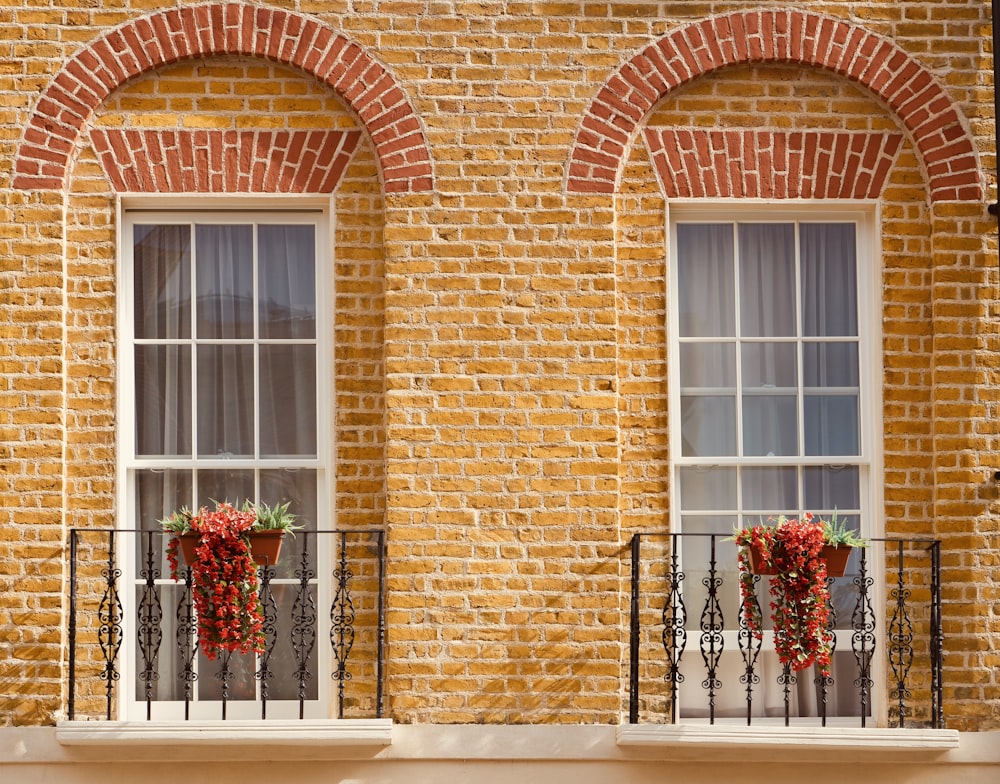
{"x": 324, "y": 623}
{"x": 692, "y": 658}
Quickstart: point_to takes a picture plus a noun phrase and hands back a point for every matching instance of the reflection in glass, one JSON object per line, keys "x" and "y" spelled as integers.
{"x": 162, "y": 281}
{"x": 287, "y": 281}
{"x": 225, "y": 401}
{"x": 163, "y": 400}
{"x": 224, "y": 281}
{"x": 706, "y": 282}
{"x": 708, "y": 425}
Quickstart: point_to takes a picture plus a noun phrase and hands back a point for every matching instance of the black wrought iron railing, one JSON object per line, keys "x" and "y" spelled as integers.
{"x": 133, "y": 643}
{"x": 692, "y": 657}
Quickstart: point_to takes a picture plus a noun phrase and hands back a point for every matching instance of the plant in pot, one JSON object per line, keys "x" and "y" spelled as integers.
{"x": 224, "y": 571}
{"x": 792, "y": 551}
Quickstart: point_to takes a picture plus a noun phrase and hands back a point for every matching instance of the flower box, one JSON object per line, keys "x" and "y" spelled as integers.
{"x": 265, "y": 546}
{"x": 836, "y": 561}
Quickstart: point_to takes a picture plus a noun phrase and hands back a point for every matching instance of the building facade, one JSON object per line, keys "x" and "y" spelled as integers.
{"x": 499, "y": 286}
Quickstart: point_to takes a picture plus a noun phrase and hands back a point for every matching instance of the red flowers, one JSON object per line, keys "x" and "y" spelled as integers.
{"x": 799, "y": 594}
{"x": 224, "y": 578}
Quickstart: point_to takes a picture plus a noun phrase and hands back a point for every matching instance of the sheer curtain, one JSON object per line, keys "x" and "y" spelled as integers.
{"x": 225, "y": 368}
{"x": 768, "y": 359}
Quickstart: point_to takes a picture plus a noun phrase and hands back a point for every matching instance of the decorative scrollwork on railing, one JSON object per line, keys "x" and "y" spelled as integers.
{"x": 750, "y": 646}
{"x": 187, "y": 646}
{"x": 342, "y": 623}
{"x": 900, "y": 641}
{"x": 304, "y": 617}
{"x": 109, "y": 615}
{"x": 786, "y": 681}
{"x": 863, "y": 636}
{"x": 825, "y": 682}
{"x": 149, "y": 617}
{"x": 674, "y": 628}
{"x": 711, "y": 640}
{"x": 270, "y": 630}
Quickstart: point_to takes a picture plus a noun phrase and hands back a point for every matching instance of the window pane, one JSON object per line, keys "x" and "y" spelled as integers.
{"x": 162, "y": 281}
{"x": 708, "y": 488}
{"x": 696, "y": 555}
{"x": 829, "y": 279}
{"x": 224, "y": 281}
{"x": 770, "y": 425}
{"x": 708, "y": 365}
{"x": 708, "y": 426}
{"x": 768, "y": 490}
{"x": 217, "y": 486}
{"x": 769, "y": 365}
{"x": 225, "y": 401}
{"x": 163, "y": 401}
{"x": 706, "y": 283}
{"x": 297, "y": 487}
{"x": 287, "y": 401}
{"x": 158, "y": 493}
{"x": 828, "y": 487}
{"x": 767, "y": 279}
{"x": 831, "y": 424}
{"x": 830, "y": 364}
{"x": 287, "y": 281}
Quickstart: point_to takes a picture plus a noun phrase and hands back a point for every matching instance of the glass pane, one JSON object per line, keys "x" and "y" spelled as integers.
{"x": 706, "y": 283}
{"x": 242, "y": 683}
{"x": 708, "y": 426}
{"x": 234, "y": 486}
{"x": 169, "y": 683}
{"x": 828, "y": 488}
{"x": 287, "y": 281}
{"x": 770, "y": 425}
{"x": 829, "y": 279}
{"x": 224, "y": 281}
{"x": 696, "y": 555}
{"x": 830, "y": 364}
{"x": 158, "y": 493}
{"x": 288, "y": 401}
{"x": 297, "y": 487}
{"x": 284, "y": 660}
{"x": 831, "y": 424}
{"x": 769, "y": 365}
{"x": 767, "y": 279}
{"x": 708, "y": 365}
{"x": 163, "y": 401}
{"x": 769, "y": 490}
{"x": 225, "y": 401}
{"x": 705, "y": 488}
{"x": 162, "y": 270}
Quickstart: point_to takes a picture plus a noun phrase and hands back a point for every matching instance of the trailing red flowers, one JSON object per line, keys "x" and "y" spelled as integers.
{"x": 800, "y": 597}
{"x": 224, "y": 580}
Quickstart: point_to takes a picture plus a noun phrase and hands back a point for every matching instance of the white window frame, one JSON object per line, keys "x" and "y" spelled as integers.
{"x": 185, "y": 208}
{"x": 866, "y": 214}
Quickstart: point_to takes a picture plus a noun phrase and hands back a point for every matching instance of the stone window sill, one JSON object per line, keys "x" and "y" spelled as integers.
{"x": 333, "y": 732}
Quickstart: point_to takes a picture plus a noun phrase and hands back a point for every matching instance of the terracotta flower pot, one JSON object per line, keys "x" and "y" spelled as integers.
{"x": 836, "y": 561}
{"x": 265, "y": 546}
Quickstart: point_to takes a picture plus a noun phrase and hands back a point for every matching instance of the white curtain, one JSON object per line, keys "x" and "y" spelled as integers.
{"x": 768, "y": 296}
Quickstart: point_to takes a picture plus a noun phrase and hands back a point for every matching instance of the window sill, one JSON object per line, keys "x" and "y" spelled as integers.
{"x": 668, "y": 736}
{"x": 333, "y": 732}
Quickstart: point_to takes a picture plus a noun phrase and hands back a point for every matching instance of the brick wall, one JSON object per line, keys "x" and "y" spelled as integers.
{"x": 501, "y": 353}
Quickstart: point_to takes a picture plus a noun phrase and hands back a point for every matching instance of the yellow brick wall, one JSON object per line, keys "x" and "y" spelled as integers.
{"x": 501, "y": 366}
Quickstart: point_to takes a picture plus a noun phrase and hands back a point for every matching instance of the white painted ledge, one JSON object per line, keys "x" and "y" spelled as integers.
{"x": 334, "y": 732}
{"x": 846, "y": 738}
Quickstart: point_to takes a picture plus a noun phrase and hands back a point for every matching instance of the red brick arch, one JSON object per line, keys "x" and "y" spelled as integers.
{"x": 788, "y": 36}
{"x": 229, "y": 28}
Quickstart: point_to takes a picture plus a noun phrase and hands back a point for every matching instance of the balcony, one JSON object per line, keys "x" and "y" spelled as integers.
{"x": 693, "y": 661}
{"x": 133, "y": 648}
